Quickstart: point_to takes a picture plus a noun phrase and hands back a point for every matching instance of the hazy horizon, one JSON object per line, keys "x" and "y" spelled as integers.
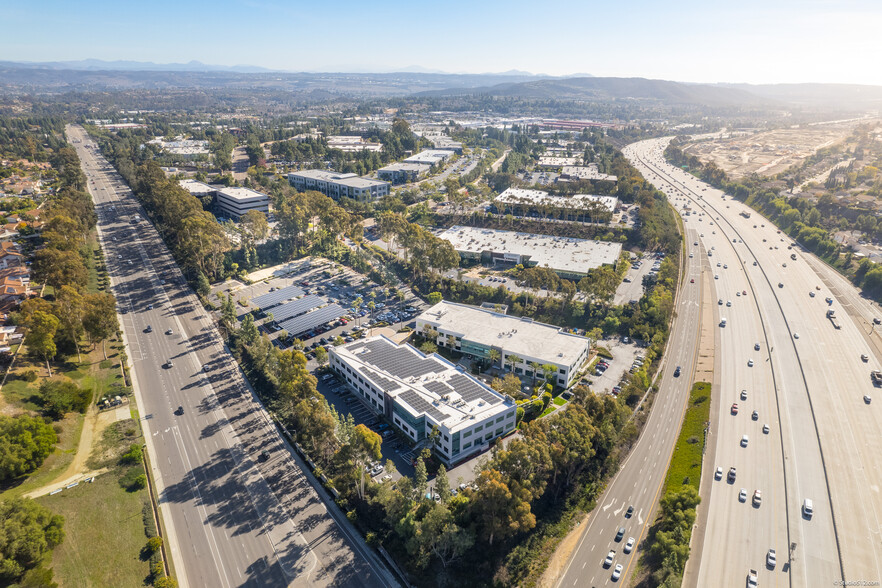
{"x": 783, "y": 41}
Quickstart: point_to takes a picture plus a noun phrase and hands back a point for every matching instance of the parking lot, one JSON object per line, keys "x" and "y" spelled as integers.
{"x": 624, "y": 355}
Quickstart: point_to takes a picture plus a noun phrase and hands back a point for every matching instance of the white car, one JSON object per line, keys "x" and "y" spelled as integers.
{"x": 744, "y": 441}
{"x": 749, "y": 363}
{"x": 609, "y": 558}
{"x": 771, "y": 558}
{"x": 629, "y": 545}
{"x": 742, "y": 495}
{"x": 617, "y": 572}
{"x": 719, "y": 473}
{"x": 728, "y": 303}
{"x": 766, "y": 428}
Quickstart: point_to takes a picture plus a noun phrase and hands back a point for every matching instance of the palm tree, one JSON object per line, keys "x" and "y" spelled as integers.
{"x": 534, "y": 367}
{"x": 513, "y": 360}
{"x": 494, "y": 356}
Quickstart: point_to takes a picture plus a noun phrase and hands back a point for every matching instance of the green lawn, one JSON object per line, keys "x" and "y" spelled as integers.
{"x": 560, "y": 401}
{"x": 551, "y": 408}
{"x": 104, "y": 534}
{"x": 686, "y": 460}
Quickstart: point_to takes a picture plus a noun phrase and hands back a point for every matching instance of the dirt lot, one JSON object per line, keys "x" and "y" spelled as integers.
{"x": 769, "y": 152}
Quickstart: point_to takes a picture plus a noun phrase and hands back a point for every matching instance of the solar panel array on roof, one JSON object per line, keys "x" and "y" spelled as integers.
{"x": 439, "y": 388}
{"x": 385, "y": 383}
{"x": 296, "y": 307}
{"x": 469, "y": 390}
{"x": 310, "y": 320}
{"x": 399, "y": 361}
{"x": 281, "y": 295}
{"x": 419, "y": 404}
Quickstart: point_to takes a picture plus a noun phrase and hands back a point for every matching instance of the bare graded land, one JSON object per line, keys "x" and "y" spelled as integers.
{"x": 769, "y": 152}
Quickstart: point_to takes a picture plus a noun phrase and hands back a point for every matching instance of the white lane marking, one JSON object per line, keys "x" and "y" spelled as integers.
{"x": 621, "y": 508}
{"x": 606, "y": 507}
{"x": 640, "y": 515}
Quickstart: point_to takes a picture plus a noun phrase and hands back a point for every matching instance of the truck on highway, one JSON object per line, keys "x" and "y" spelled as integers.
{"x": 876, "y": 377}
{"x": 745, "y": 214}
{"x": 831, "y": 314}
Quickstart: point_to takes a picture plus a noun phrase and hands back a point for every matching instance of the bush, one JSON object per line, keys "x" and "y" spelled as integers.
{"x": 29, "y": 376}
{"x": 60, "y": 396}
{"x": 27, "y": 531}
{"x": 132, "y": 456}
{"x": 157, "y": 570}
{"x": 133, "y": 480}
{"x": 166, "y": 582}
{"x": 25, "y": 442}
{"x": 154, "y": 544}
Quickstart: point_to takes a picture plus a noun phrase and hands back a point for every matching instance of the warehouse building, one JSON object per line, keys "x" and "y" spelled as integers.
{"x": 578, "y": 207}
{"x": 586, "y": 172}
{"x": 570, "y": 258}
{"x": 234, "y": 202}
{"x": 419, "y": 392}
{"x": 197, "y": 189}
{"x": 520, "y": 341}
{"x": 430, "y": 156}
{"x": 336, "y": 185}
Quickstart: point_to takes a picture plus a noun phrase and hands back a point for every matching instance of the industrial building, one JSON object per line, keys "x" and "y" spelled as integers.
{"x": 234, "y": 202}
{"x": 402, "y": 173}
{"x": 430, "y": 156}
{"x": 419, "y": 392}
{"x": 352, "y": 144}
{"x": 197, "y": 189}
{"x": 520, "y": 341}
{"x": 555, "y": 162}
{"x": 570, "y": 258}
{"x": 577, "y": 207}
{"x": 336, "y": 185}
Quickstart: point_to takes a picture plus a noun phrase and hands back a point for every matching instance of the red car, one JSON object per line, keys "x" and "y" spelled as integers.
{"x": 734, "y": 408}
{"x": 692, "y": 280}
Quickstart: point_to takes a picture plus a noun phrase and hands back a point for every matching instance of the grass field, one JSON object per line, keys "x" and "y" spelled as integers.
{"x": 686, "y": 460}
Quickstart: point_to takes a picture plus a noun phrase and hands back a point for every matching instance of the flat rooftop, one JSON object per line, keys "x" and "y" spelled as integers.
{"x": 417, "y": 167}
{"x": 539, "y": 197}
{"x": 241, "y": 194}
{"x": 552, "y": 161}
{"x": 430, "y": 156}
{"x": 519, "y": 335}
{"x": 562, "y": 254}
{"x": 587, "y": 172}
{"x": 194, "y": 187}
{"x": 350, "y": 179}
{"x": 423, "y": 384}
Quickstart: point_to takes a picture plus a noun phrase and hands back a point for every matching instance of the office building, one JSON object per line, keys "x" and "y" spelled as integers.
{"x": 430, "y": 156}
{"x": 402, "y": 173}
{"x": 570, "y": 258}
{"x": 419, "y": 392}
{"x": 475, "y": 331}
{"x": 234, "y": 202}
{"x": 336, "y": 185}
{"x": 577, "y": 207}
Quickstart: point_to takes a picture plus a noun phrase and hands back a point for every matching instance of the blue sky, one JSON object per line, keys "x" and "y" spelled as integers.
{"x": 699, "y": 41}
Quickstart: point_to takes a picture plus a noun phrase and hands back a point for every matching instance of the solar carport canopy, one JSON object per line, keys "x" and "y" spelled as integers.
{"x": 311, "y": 320}
{"x": 279, "y": 296}
{"x": 296, "y": 308}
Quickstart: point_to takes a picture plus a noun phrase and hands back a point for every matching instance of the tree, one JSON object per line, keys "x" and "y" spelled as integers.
{"x": 434, "y": 298}
{"x": 70, "y": 309}
{"x": 442, "y": 484}
{"x": 60, "y": 396}
{"x": 428, "y": 348}
{"x": 512, "y": 360}
{"x": 56, "y": 268}
{"x": 41, "y": 336}
{"x": 25, "y": 442}
{"x": 321, "y": 355}
{"x": 494, "y": 356}
{"x": 499, "y": 511}
{"x": 99, "y": 318}
{"x": 365, "y": 446}
{"x": 27, "y": 532}
{"x": 420, "y": 478}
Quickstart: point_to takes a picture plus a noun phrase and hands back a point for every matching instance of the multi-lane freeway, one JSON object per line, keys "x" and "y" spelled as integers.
{"x": 638, "y": 482}
{"x": 232, "y": 518}
{"x": 805, "y": 377}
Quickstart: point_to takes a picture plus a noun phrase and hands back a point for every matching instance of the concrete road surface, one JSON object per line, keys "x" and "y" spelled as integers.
{"x": 813, "y": 380}
{"x": 231, "y": 519}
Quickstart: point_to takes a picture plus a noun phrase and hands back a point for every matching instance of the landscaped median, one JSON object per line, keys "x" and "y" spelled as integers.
{"x": 667, "y": 544}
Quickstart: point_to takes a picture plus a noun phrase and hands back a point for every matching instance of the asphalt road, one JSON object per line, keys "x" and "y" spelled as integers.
{"x": 810, "y": 380}
{"x": 231, "y": 519}
{"x": 639, "y": 480}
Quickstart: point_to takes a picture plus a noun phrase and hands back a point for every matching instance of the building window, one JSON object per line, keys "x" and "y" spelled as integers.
{"x": 563, "y": 371}
{"x": 467, "y": 434}
{"x": 499, "y": 418}
{"x": 467, "y": 445}
{"x": 499, "y": 431}
{"x": 446, "y": 438}
{"x": 478, "y": 428}
{"x": 488, "y": 436}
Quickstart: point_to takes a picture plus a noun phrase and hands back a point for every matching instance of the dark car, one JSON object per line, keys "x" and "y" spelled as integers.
{"x": 620, "y": 534}
{"x": 677, "y": 372}
{"x": 629, "y": 512}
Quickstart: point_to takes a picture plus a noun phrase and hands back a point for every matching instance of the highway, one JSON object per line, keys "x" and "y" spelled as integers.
{"x": 807, "y": 383}
{"x": 638, "y": 482}
{"x": 231, "y": 518}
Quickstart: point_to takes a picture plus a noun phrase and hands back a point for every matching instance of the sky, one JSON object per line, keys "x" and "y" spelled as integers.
{"x": 752, "y": 41}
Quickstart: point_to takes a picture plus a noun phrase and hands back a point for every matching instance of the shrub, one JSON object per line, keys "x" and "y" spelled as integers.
{"x": 29, "y": 376}
{"x": 166, "y": 582}
{"x": 154, "y": 544}
{"x": 60, "y": 396}
{"x": 132, "y": 456}
{"x": 24, "y": 443}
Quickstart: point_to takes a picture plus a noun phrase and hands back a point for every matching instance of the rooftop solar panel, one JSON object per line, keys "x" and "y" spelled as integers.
{"x": 398, "y": 361}
{"x": 385, "y": 383}
{"x": 470, "y": 390}
{"x": 419, "y": 404}
{"x": 271, "y": 299}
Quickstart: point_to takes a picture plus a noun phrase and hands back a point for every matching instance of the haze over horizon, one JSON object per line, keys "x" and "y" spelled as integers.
{"x": 778, "y": 41}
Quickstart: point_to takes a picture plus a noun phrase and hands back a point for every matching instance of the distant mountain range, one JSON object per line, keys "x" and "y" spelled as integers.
{"x": 101, "y": 65}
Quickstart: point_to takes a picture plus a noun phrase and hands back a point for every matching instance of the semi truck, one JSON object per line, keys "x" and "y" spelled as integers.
{"x": 831, "y": 315}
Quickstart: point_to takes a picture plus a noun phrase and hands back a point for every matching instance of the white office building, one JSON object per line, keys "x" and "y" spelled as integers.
{"x": 430, "y": 156}
{"x": 418, "y": 392}
{"x": 234, "y": 202}
{"x": 336, "y": 185}
{"x": 576, "y": 207}
{"x": 571, "y": 258}
{"x": 197, "y": 189}
{"x": 474, "y": 331}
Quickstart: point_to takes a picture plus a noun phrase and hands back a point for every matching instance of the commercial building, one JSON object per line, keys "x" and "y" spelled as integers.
{"x": 586, "y": 172}
{"x": 419, "y": 392}
{"x": 475, "y": 331}
{"x": 336, "y": 185}
{"x": 570, "y": 258}
{"x": 578, "y": 207}
{"x": 234, "y": 202}
{"x": 197, "y": 189}
{"x": 554, "y": 162}
{"x": 352, "y": 144}
{"x": 402, "y": 173}
{"x": 429, "y": 156}
{"x": 183, "y": 148}
{"x": 445, "y": 143}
